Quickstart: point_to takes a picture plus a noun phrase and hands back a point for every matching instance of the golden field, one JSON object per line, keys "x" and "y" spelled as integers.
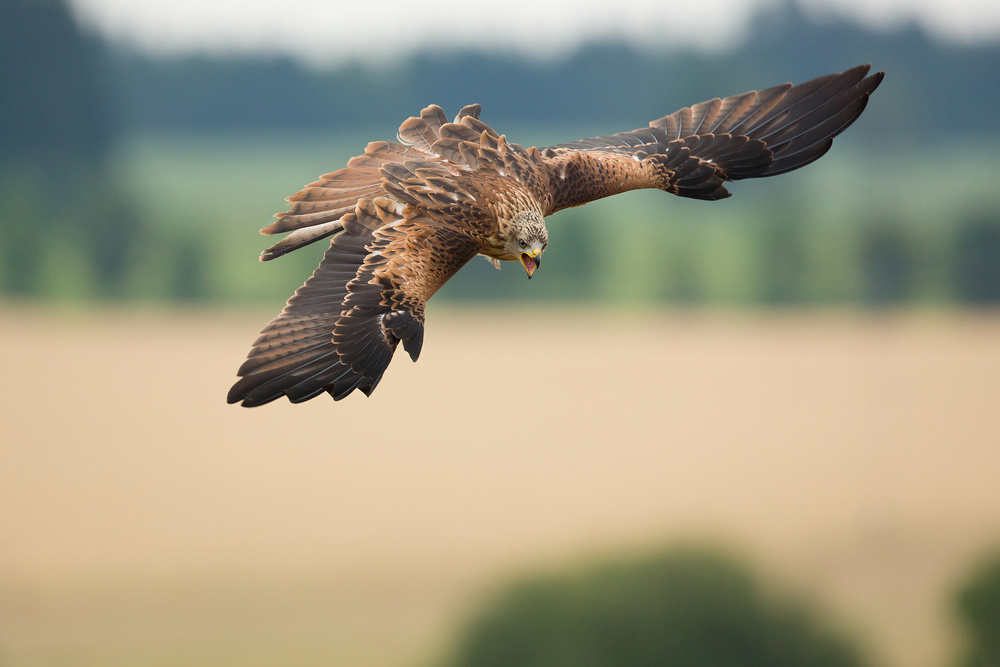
{"x": 854, "y": 459}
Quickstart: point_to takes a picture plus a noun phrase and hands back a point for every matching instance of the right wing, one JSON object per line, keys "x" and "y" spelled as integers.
{"x": 695, "y": 150}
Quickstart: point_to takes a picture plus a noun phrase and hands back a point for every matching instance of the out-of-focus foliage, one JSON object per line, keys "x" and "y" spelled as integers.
{"x": 888, "y": 263}
{"x": 55, "y": 95}
{"x": 978, "y": 606}
{"x": 685, "y": 607}
{"x": 66, "y": 228}
{"x": 127, "y": 176}
{"x": 932, "y": 91}
{"x": 977, "y": 260}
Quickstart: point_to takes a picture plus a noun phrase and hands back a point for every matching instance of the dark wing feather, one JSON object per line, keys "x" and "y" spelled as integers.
{"x": 294, "y": 355}
{"x": 409, "y": 261}
{"x": 694, "y": 150}
{"x": 340, "y": 329}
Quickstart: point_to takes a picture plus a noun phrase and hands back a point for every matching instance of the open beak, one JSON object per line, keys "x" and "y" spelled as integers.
{"x": 531, "y": 261}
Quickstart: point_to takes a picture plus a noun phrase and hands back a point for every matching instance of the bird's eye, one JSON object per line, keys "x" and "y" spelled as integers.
{"x": 522, "y": 243}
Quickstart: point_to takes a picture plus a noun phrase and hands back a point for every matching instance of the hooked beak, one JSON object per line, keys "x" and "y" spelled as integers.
{"x": 531, "y": 261}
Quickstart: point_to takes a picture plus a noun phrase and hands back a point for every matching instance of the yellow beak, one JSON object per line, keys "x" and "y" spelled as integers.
{"x": 530, "y": 261}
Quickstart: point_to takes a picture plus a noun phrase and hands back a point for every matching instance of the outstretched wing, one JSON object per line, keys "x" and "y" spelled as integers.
{"x": 340, "y": 329}
{"x": 695, "y": 150}
{"x": 393, "y": 246}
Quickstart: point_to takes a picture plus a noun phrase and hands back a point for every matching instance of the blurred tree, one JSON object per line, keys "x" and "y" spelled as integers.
{"x": 682, "y": 283}
{"x": 682, "y": 608}
{"x": 573, "y": 258}
{"x": 188, "y": 282}
{"x": 109, "y": 227}
{"x": 978, "y": 606}
{"x": 887, "y": 263}
{"x": 783, "y": 261}
{"x": 21, "y": 241}
{"x": 977, "y": 260}
{"x": 927, "y": 82}
{"x": 57, "y": 118}
{"x": 57, "y": 130}
{"x": 55, "y": 100}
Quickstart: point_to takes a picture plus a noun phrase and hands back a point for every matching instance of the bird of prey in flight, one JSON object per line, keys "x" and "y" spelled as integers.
{"x": 406, "y": 215}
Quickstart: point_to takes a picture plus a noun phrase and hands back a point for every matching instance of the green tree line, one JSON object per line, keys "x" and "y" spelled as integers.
{"x": 71, "y": 224}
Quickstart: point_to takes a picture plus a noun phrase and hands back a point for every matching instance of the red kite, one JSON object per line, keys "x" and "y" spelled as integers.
{"x": 407, "y": 215}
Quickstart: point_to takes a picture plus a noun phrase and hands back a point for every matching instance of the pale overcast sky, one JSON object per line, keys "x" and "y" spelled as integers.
{"x": 331, "y": 31}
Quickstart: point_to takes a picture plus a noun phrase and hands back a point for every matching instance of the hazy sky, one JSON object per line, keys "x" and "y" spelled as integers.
{"x": 329, "y": 31}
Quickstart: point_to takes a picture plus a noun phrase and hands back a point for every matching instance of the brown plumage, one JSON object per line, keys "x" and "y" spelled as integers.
{"x": 406, "y": 216}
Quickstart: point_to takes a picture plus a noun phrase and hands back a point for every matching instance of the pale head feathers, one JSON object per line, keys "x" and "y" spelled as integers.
{"x": 525, "y": 232}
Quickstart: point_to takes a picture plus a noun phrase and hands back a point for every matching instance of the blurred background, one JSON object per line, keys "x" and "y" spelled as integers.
{"x": 761, "y": 431}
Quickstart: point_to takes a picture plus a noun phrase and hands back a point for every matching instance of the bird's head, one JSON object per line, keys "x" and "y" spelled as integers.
{"x": 528, "y": 241}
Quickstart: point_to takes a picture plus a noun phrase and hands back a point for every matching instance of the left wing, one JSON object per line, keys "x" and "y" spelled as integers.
{"x": 340, "y": 329}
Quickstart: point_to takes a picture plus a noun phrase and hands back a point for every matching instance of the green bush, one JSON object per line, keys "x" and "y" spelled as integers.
{"x": 977, "y": 260}
{"x": 783, "y": 261}
{"x": 887, "y": 264}
{"x": 687, "y": 607}
{"x": 978, "y": 606}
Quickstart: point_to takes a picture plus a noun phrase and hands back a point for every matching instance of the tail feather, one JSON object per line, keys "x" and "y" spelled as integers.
{"x": 300, "y": 238}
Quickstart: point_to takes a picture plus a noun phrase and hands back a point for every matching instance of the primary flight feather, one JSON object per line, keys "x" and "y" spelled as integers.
{"x": 405, "y": 216}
